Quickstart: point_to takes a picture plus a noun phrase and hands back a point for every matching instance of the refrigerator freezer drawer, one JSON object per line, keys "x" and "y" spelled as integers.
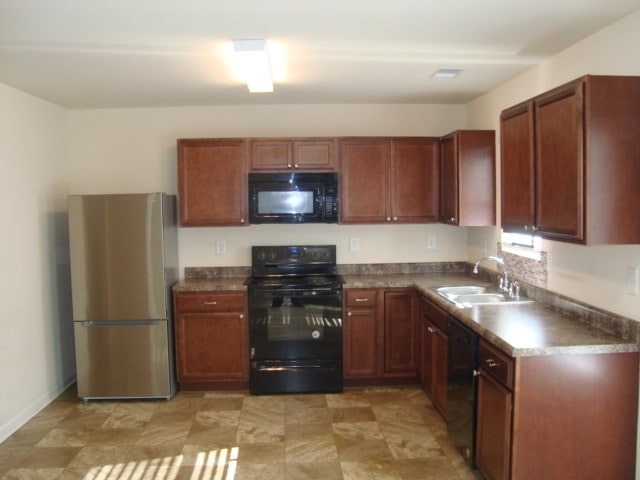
{"x": 123, "y": 360}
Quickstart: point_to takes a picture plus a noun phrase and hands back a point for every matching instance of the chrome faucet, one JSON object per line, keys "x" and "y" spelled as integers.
{"x": 504, "y": 278}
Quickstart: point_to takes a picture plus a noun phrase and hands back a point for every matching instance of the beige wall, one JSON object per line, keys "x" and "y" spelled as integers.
{"x": 129, "y": 150}
{"x": 36, "y": 344}
{"x": 595, "y": 275}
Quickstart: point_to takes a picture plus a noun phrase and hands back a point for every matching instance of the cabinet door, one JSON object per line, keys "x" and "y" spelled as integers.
{"x": 360, "y": 343}
{"x": 440, "y": 370}
{"x": 364, "y": 178}
{"x": 493, "y": 434}
{"x": 434, "y": 359}
{"x": 212, "y": 346}
{"x": 271, "y": 154}
{"x": 426, "y": 356}
{"x": 415, "y": 180}
{"x": 560, "y": 163}
{"x": 315, "y": 154}
{"x": 212, "y": 183}
{"x": 468, "y": 178}
{"x": 399, "y": 322}
{"x": 517, "y": 174}
{"x": 449, "y": 175}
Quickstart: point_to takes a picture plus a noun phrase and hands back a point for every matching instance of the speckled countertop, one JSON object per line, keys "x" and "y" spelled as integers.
{"x": 528, "y": 329}
{"x": 210, "y": 284}
{"x": 556, "y": 327}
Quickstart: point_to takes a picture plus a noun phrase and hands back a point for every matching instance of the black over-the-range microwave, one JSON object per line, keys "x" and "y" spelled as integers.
{"x": 293, "y": 197}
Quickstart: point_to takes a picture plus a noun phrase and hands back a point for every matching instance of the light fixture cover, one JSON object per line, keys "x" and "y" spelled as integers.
{"x": 252, "y": 62}
{"x": 447, "y": 73}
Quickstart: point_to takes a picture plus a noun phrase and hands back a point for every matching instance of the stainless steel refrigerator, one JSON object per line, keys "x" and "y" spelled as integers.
{"x": 124, "y": 262}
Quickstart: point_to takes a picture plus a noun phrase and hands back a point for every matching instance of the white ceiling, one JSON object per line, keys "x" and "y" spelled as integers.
{"x": 146, "y": 53}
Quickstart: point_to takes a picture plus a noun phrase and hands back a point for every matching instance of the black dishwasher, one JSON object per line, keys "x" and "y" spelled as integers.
{"x": 461, "y": 387}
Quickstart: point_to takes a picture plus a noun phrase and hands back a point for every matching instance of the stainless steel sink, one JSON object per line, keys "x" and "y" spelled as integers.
{"x": 482, "y": 298}
{"x": 470, "y": 295}
{"x": 462, "y": 290}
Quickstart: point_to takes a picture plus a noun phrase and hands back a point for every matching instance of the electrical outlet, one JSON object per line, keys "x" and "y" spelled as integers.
{"x": 221, "y": 247}
{"x": 431, "y": 242}
{"x": 632, "y": 280}
{"x": 354, "y": 244}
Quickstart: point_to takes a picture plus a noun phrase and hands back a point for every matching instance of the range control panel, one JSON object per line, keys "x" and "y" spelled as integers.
{"x": 293, "y": 255}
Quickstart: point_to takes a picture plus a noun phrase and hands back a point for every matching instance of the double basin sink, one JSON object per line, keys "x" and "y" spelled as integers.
{"x": 471, "y": 295}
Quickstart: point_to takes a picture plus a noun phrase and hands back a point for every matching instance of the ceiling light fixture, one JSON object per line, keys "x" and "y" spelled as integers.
{"x": 252, "y": 63}
{"x": 447, "y": 73}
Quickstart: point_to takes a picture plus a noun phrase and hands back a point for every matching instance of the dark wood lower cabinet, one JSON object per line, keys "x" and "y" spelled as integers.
{"x": 434, "y": 354}
{"x": 399, "y": 326}
{"x": 380, "y": 334}
{"x": 557, "y": 416}
{"x": 575, "y": 417}
{"x": 211, "y": 340}
{"x": 493, "y": 437}
{"x": 360, "y": 343}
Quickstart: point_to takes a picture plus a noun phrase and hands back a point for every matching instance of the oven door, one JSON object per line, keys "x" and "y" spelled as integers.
{"x": 295, "y": 325}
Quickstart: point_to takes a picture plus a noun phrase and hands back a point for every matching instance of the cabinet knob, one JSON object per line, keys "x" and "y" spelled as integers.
{"x": 241, "y": 315}
{"x": 431, "y": 329}
{"x": 395, "y": 219}
{"x": 534, "y": 228}
{"x": 288, "y": 165}
{"x": 295, "y": 165}
{"x": 452, "y": 219}
{"x": 242, "y": 220}
{"x": 388, "y": 219}
{"x": 526, "y": 227}
{"x": 348, "y": 314}
{"x": 491, "y": 362}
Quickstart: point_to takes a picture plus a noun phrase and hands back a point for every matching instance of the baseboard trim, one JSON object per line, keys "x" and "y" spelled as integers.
{"x": 25, "y": 415}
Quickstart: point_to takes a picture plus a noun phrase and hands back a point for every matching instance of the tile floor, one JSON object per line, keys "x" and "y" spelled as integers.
{"x": 372, "y": 433}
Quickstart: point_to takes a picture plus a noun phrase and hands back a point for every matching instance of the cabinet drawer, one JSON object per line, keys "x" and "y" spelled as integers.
{"x": 360, "y": 298}
{"x": 497, "y": 363}
{"x": 434, "y": 314}
{"x": 210, "y": 302}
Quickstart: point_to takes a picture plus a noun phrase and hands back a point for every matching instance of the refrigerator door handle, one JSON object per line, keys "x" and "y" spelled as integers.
{"x": 118, "y": 323}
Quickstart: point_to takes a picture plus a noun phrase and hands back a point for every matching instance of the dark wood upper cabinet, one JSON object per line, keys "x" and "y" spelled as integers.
{"x": 517, "y": 168}
{"x": 315, "y": 154}
{"x": 364, "y": 180}
{"x": 468, "y": 178}
{"x": 212, "y": 182}
{"x": 284, "y": 154}
{"x": 385, "y": 180}
{"x": 569, "y": 162}
{"x": 271, "y": 154}
{"x": 559, "y": 160}
{"x": 415, "y": 180}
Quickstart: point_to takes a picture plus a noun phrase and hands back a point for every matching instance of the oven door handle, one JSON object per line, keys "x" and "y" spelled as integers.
{"x": 290, "y": 368}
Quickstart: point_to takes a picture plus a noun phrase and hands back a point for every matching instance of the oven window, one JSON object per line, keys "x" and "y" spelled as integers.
{"x": 285, "y": 202}
{"x": 295, "y": 318}
{"x": 295, "y": 326}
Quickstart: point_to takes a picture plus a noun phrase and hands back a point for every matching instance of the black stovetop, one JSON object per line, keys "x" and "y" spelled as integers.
{"x": 295, "y": 267}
